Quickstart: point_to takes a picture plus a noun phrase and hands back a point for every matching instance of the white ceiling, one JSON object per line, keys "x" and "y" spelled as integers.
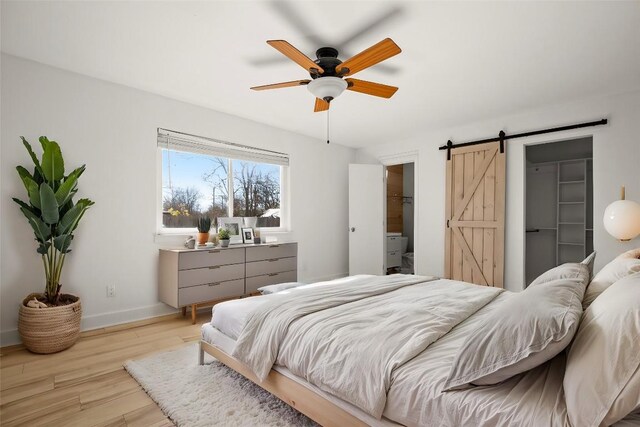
{"x": 461, "y": 61}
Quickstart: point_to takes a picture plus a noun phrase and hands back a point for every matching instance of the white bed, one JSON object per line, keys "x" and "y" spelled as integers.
{"x": 415, "y": 397}
{"x": 377, "y": 350}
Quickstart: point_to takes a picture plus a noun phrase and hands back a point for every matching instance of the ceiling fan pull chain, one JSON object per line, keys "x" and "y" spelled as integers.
{"x": 328, "y": 126}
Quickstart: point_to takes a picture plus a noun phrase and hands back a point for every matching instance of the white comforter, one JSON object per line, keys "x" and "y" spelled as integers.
{"x": 349, "y": 340}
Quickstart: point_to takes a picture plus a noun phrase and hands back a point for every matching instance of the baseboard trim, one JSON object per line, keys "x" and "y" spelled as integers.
{"x": 102, "y": 320}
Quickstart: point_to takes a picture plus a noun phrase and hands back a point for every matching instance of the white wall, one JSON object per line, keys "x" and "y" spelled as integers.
{"x": 616, "y": 162}
{"x": 112, "y": 129}
{"x": 407, "y": 208}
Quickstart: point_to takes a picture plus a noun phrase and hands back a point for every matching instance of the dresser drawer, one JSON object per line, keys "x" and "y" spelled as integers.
{"x": 253, "y": 283}
{"x": 260, "y": 268}
{"x": 217, "y": 273}
{"x": 210, "y": 292}
{"x": 262, "y": 253}
{"x": 393, "y": 244}
{"x": 210, "y": 257}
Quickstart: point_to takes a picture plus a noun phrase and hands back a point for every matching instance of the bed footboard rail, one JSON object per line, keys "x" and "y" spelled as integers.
{"x": 296, "y": 395}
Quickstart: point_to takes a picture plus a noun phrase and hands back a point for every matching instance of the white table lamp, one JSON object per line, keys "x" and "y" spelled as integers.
{"x": 622, "y": 219}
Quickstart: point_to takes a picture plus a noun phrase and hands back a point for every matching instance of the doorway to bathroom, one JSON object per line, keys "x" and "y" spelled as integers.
{"x": 400, "y": 216}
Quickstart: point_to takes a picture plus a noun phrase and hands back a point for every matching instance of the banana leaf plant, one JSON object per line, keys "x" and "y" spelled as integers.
{"x": 51, "y": 211}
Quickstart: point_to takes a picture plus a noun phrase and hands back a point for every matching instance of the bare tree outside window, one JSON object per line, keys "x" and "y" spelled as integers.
{"x": 197, "y": 185}
{"x": 256, "y": 191}
{"x": 217, "y": 177}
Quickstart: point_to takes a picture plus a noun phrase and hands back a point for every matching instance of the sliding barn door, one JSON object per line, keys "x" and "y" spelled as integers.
{"x": 474, "y": 239}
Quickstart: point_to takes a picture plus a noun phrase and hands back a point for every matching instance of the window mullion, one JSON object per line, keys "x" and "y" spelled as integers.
{"x": 231, "y": 199}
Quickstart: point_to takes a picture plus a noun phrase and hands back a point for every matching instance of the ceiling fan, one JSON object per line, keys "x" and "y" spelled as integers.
{"x": 328, "y": 72}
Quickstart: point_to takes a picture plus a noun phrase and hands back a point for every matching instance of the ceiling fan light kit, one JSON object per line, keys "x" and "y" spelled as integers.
{"x": 327, "y": 72}
{"x": 327, "y": 88}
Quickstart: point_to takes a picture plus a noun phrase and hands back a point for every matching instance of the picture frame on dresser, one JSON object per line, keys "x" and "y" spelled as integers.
{"x": 247, "y": 235}
{"x": 234, "y": 226}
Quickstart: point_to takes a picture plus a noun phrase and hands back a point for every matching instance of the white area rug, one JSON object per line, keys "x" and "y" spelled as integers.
{"x": 210, "y": 395}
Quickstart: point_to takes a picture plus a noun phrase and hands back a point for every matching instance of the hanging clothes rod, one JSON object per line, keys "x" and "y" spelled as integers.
{"x": 502, "y": 136}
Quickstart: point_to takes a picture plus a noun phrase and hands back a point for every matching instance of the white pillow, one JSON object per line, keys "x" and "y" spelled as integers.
{"x": 622, "y": 266}
{"x": 589, "y": 261}
{"x": 602, "y": 377}
{"x": 526, "y": 330}
{"x": 570, "y": 270}
{"x": 272, "y": 289}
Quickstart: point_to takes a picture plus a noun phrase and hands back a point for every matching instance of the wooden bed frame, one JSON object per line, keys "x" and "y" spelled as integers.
{"x": 296, "y": 395}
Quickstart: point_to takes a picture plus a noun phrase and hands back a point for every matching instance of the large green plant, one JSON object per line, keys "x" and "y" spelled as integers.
{"x": 51, "y": 211}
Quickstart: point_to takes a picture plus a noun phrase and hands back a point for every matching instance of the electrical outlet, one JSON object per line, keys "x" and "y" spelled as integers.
{"x": 111, "y": 291}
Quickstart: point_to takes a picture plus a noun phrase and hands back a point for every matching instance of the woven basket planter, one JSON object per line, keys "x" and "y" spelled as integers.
{"x": 51, "y": 329}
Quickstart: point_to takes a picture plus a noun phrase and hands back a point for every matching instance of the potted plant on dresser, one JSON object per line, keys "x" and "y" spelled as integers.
{"x": 50, "y": 322}
{"x": 224, "y": 237}
{"x": 204, "y": 225}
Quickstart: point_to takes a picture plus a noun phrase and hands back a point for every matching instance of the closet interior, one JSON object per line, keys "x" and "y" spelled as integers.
{"x": 559, "y": 204}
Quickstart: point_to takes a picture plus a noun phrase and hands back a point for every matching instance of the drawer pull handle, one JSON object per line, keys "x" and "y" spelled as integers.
{"x": 214, "y": 251}
{"x": 274, "y": 246}
{"x": 213, "y": 267}
{"x": 213, "y": 284}
{"x": 273, "y": 274}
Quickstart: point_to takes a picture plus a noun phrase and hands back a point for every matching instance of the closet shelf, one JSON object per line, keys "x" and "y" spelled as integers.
{"x": 571, "y": 243}
{"x": 571, "y": 203}
{"x": 571, "y": 223}
{"x": 571, "y": 182}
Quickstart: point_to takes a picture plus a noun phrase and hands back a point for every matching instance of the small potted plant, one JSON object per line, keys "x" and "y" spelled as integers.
{"x": 223, "y": 235}
{"x": 50, "y": 322}
{"x": 204, "y": 225}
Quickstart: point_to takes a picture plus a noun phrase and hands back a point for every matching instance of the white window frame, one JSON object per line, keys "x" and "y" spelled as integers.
{"x": 284, "y": 198}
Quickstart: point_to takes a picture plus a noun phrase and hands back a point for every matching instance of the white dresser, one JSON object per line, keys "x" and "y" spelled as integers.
{"x": 192, "y": 277}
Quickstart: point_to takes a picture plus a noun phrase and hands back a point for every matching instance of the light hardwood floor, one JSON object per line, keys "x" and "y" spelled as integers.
{"x": 86, "y": 385}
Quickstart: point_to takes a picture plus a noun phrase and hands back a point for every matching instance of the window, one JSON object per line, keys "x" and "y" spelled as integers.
{"x": 205, "y": 177}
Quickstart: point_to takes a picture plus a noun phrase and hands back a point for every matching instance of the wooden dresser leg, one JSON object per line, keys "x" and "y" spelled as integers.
{"x": 184, "y": 311}
{"x": 194, "y": 307}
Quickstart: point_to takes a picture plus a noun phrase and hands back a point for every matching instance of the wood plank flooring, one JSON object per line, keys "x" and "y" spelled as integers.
{"x": 86, "y": 385}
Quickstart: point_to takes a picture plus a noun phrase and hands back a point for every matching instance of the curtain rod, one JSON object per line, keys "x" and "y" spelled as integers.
{"x": 502, "y": 136}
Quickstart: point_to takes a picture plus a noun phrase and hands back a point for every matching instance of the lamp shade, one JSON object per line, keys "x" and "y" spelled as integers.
{"x": 327, "y": 87}
{"x": 622, "y": 219}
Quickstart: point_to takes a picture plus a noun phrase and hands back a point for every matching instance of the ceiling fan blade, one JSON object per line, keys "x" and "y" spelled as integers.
{"x": 321, "y": 105}
{"x": 295, "y": 55}
{"x": 296, "y": 20}
{"x": 368, "y": 57}
{"x": 283, "y": 84}
{"x": 371, "y": 88}
{"x": 370, "y": 26}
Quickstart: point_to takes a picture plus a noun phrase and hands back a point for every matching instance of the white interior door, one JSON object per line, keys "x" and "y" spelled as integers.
{"x": 366, "y": 219}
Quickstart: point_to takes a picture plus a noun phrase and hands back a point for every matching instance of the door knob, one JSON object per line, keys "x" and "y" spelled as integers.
{"x": 353, "y": 229}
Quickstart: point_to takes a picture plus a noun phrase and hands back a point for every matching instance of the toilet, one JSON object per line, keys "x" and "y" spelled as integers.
{"x": 407, "y": 257}
{"x": 404, "y": 244}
